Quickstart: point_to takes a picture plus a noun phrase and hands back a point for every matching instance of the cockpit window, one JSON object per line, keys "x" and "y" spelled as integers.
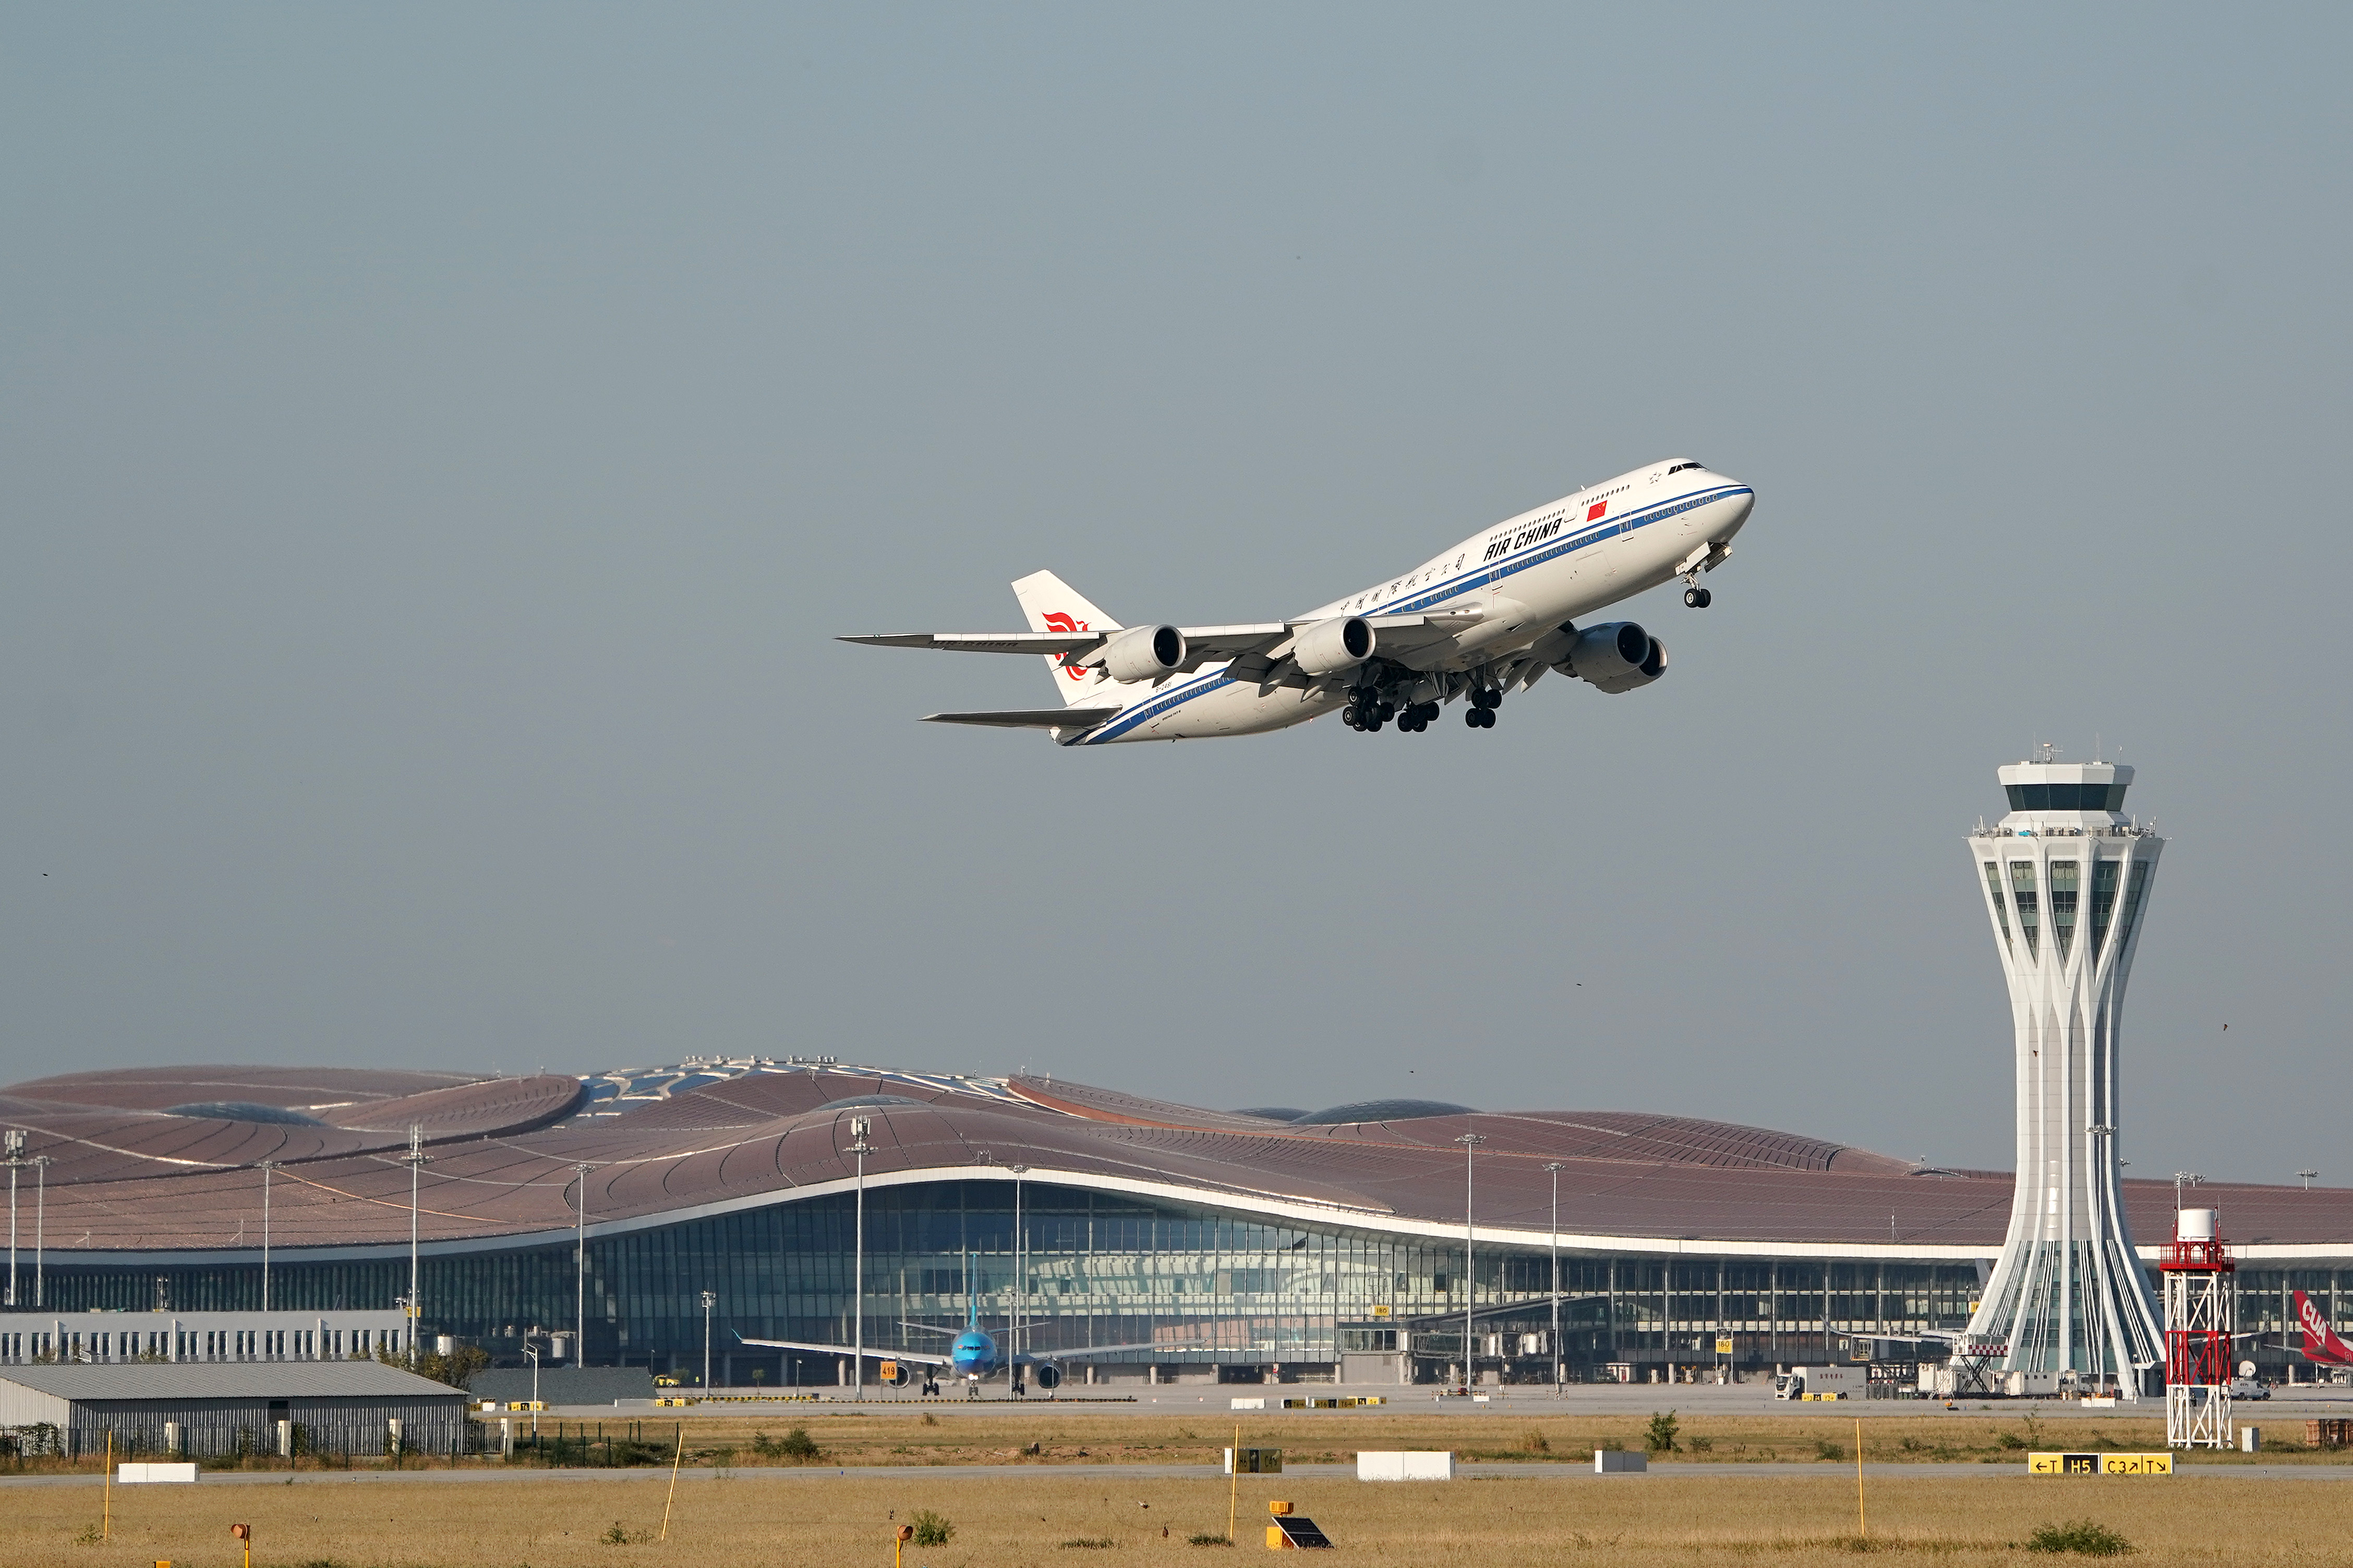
{"x": 1679, "y": 468}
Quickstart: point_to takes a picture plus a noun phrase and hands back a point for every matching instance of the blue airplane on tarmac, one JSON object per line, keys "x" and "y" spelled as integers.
{"x": 974, "y": 1356}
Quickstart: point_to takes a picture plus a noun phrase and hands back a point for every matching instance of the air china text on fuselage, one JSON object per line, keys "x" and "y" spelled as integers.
{"x": 1495, "y": 612}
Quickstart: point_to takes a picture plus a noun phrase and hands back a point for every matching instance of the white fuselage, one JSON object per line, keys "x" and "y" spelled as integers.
{"x": 1525, "y": 576}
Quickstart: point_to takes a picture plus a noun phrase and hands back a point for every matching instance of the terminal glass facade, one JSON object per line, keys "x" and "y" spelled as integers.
{"x": 1204, "y": 1288}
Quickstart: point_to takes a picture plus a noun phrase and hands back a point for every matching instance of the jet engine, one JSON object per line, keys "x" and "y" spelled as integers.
{"x": 1148, "y": 653}
{"x": 1327, "y": 647}
{"x": 1617, "y": 656}
{"x": 1047, "y": 1374}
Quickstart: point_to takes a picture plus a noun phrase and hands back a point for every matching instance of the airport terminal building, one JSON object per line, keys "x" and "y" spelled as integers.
{"x": 1239, "y": 1246}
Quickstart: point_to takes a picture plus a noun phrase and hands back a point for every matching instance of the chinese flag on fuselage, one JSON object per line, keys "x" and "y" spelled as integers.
{"x": 1593, "y": 514}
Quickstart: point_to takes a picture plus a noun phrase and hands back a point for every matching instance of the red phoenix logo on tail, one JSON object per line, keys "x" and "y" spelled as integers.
{"x": 1058, "y": 622}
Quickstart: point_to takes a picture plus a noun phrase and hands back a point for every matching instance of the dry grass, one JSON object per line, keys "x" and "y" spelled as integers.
{"x": 1045, "y": 1434}
{"x": 761, "y": 1520}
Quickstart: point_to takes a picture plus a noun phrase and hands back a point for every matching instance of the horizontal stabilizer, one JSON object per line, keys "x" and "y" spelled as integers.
{"x": 1029, "y": 718}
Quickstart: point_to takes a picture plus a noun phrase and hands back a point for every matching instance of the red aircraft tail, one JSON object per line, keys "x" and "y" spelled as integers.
{"x": 2320, "y": 1342}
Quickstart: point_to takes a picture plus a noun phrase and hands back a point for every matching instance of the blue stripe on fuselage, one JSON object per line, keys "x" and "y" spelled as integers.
{"x": 1509, "y": 566}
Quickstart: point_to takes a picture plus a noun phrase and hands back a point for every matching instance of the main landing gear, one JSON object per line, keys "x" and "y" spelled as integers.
{"x": 1370, "y": 712}
{"x": 1481, "y": 714}
{"x": 1698, "y": 598}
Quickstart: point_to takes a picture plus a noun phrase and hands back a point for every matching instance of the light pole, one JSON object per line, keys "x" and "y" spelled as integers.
{"x": 1469, "y": 1141}
{"x": 580, "y": 1270}
{"x": 2309, "y": 1176}
{"x": 40, "y": 1225}
{"x": 532, "y": 1350}
{"x": 1020, "y": 1279}
{"x": 15, "y": 1145}
{"x": 417, "y": 1160}
{"x": 1555, "y": 1169}
{"x": 859, "y": 1127}
{"x": 266, "y": 1167}
{"x": 710, "y": 1299}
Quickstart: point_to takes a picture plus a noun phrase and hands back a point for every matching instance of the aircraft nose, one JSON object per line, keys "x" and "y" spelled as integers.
{"x": 1734, "y": 509}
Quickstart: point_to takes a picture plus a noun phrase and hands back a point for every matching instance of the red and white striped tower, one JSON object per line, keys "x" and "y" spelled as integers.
{"x": 2197, "y": 1270}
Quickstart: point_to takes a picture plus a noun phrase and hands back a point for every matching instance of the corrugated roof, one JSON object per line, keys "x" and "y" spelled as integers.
{"x": 226, "y": 1380}
{"x": 128, "y": 1181}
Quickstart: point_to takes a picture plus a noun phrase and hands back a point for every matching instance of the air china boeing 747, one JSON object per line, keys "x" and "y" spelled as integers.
{"x": 1496, "y": 611}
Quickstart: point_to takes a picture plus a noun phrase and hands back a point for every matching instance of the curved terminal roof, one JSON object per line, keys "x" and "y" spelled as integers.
{"x": 159, "y": 1161}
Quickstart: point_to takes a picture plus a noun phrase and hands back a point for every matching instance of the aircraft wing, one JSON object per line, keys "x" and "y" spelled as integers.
{"x": 1049, "y": 643}
{"x": 1267, "y": 662}
{"x": 872, "y": 1353}
{"x": 1025, "y": 1358}
{"x": 1031, "y": 718}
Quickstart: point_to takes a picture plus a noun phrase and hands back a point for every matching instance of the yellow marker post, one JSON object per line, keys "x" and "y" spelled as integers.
{"x": 674, "y": 1458}
{"x": 1861, "y": 1521}
{"x": 905, "y": 1534}
{"x": 244, "y": 1532}
{"x": 105, "y": 1506}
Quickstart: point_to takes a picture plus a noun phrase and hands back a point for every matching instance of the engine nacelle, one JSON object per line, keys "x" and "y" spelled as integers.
{"x": 1327, "y": 647}
{"x": 1148, "y": 653}
{"x": 1618, "y": 656}
{"x": 1047, "y": 1375}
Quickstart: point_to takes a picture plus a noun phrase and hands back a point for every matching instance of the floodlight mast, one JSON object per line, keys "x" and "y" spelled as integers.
{"x": 417, "y": 1159}
{"x": 265, "y": 1167}
{"x": 1558, "y": 1381}
{"x": 2066, "y": 879}
{"x": 1469, "y": 1141}
{"x": 859, "y": 1127}
{"x": 15, "y": 1148}
{"x": 1020, "y": 1285}
{"x": 580, "y": 1270}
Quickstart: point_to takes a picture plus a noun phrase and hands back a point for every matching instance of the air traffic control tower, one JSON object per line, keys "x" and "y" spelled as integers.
{"x": 2066, "y": 877}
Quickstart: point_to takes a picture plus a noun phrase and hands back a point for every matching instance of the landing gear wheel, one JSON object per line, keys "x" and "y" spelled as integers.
{"x": 1387, "y": 712}
{"x": 1487, "y": 719}
{"x": 1698, "y": 598}
{"x": 1476, "y": 717}
{"x": 1348, "y": 716}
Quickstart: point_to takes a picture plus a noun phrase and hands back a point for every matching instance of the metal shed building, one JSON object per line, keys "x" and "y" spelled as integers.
{"x": 226, "y": 1407}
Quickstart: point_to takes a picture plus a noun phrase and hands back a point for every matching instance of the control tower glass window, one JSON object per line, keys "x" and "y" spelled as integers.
{"x": 2064, "y": 876}
{"x": 2134, "y": 890}
{"x": 2066, "y": 796}
{"x": 2103, "y": 903}
{"x": 2022, "y": 882}
{"x": 2001, "y": 905}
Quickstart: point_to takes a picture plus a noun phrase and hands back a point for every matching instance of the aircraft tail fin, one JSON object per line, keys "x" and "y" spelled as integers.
{"x": 1053, "y": 606}
{"x": 971, "y": 1299}
{"x": 2321, "y": 1342}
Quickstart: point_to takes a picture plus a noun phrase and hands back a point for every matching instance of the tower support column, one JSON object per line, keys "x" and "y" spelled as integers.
{"x": 2066, "y": 879}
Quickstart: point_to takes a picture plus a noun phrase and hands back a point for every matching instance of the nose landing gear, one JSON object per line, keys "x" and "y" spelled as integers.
{"x": 1698, "y": 598}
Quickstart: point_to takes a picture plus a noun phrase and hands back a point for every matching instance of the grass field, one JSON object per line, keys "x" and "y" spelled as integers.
{"x": 1044, "y": 1434}
{"x": 761, "y": 1519}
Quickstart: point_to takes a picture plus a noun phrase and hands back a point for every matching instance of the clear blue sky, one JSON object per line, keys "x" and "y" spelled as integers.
{"x": 439, "y": 444}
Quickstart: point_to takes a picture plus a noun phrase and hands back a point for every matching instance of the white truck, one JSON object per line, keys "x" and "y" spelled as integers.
{"x": 1822, "y": 1382}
